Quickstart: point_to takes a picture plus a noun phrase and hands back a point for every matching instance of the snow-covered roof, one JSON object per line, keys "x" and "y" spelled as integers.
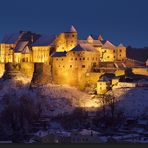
{"x": 84, "y": 47}
{"x": 59, "y": 54}
{"x": 10, "y": 38}
{"x": 26, "y": 50}
{"x": 90, "y": 37}
{"x": 109, "y": 45}
{"x": 45, "y": 40}
{"x": 121, "y": 45}
{"x": 73, "y": 29}
{"x": 20, "y": 46}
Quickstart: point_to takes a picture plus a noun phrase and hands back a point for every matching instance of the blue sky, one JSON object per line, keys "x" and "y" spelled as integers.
{"x": 124, "y": 21}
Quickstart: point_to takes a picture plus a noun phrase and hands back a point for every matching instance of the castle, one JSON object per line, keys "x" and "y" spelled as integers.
{"x": 70, "y": 60}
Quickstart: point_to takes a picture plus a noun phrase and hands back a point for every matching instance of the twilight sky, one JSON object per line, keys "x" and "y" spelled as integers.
{"x": 124, "y": 21}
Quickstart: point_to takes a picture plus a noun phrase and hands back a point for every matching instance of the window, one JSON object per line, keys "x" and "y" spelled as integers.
{"x": 120, "y": 50}
{"x": 63, "y": 66}
{"x": 108, "y": 57}
{"x": 62, "y": 59}
{"x": 71, "y": 58}
{"x": 80, "y": 58}
{"x": 75, "y": 58}
{"x": 83, "y": 58}
{"x": 70, "y": 66}
{"x": 73, "y": 35}
{"x": 92, "y": 58}
{"x": 83, "y": 66}
{"x": 59, "y": 65}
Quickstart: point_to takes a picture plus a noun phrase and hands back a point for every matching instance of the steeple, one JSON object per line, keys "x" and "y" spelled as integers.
{"x": 72, "y": 29}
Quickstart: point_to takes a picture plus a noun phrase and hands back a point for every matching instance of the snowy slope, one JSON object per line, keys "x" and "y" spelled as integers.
{"x": 56, "y": 99}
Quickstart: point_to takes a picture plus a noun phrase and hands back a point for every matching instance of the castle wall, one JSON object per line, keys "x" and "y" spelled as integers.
{"x": 66, "y": 41}
{"x": 92, "y": 78}
{"x": 41, "y": 54}
{"x": 71, "y": 69}
{"x": 102, "y": 87}
{"x": 140, "y": 71}
{"x": 41, "y": 74}
{"x": 27, "y": 69}
{"x": 106, "y": 55}
{"x": 119, "y": 72}
{"x": 121, "y": 53}
{"x": 2, "y": 69}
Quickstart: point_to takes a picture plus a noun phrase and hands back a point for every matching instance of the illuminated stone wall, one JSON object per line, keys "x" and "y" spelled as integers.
{"x": 140, "y": 71}
{"x": 72, "y": 68}
{"x": 41, "y": 75}
{"x": 119, "y": 72}
{"x": 102, "y": 87}
{"x": 66, "y": 41}
{"x": 6, "y": 52}
{"x": 41, "y": 54}
{"x": 92, "y": 78}
{"x": 111, "y": 55}
{"x": 2, "y": 69}
{"x": 27, "y": 69}
{"x": 107, "y": 55}
{"x": 120, "y": 53}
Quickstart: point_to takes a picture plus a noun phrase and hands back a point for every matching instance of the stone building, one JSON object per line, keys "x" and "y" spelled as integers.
{"x": 71, "y": 67}
{"x": 66, "y": 41}
{"x": 69, "y": 60}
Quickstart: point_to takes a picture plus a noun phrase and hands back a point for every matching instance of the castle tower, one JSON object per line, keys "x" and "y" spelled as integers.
{"x": 71, "y": 38}
{"x": 121, "y": 52}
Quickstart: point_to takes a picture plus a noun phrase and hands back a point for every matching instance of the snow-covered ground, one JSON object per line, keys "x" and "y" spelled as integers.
{"x": 56, "y": 99}
{"x": 133, "y": 102}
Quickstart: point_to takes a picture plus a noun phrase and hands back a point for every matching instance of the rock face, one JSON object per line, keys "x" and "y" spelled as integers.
{"x": 41, "y": 75}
